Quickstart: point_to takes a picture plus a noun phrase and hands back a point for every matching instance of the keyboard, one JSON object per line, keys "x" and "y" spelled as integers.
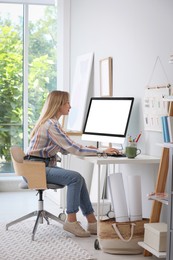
{"x": 116, "y": 155}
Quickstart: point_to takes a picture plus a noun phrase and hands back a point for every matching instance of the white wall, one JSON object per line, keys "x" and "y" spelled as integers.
{"x": 134, "y": 33}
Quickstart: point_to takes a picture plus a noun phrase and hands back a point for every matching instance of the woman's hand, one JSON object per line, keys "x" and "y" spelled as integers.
{"x": 111, "y": 151}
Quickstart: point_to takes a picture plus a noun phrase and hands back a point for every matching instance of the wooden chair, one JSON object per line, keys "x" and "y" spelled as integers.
{"x": 34, "y": 173}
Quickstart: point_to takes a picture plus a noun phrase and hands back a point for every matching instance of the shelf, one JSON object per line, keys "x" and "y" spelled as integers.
{"x": 152, "y": 251}
{"x": 166, "y": 145}
{"x": 164, "y": 201}
{"x": 168, "y": 98}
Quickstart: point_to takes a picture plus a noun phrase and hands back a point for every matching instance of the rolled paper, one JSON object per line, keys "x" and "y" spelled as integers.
{"x": 118, "y": 197}
{"x": 134, "y": 197}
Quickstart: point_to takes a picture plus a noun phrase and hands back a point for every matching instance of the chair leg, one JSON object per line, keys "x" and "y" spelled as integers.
{"x": 32, "y": 214}
{"x": 45, "y": 216}
{"x": 50, "y": 215}
{"x": 39, "y": 215}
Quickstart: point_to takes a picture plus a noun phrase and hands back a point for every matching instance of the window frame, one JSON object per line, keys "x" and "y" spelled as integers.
{"x": 63, "y": 49}
{"x": 30, "y": 2}
{"x": 63, "y": 66}
{"x": 26, "y": 4}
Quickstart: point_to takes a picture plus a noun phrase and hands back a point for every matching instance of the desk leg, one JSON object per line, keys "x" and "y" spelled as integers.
{"x": 98, "y": 200}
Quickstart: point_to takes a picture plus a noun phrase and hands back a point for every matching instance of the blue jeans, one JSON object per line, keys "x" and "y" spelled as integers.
{"x": 77, "y": 193}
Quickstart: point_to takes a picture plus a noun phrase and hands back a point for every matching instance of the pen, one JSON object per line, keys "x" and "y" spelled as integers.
{"x": 137, "y": 138}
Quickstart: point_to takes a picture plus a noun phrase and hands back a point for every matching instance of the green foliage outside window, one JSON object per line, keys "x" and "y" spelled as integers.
{"x": 41, "y": 71}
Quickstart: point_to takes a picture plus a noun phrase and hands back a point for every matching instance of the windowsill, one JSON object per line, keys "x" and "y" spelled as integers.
{"x": 9, "y": 182}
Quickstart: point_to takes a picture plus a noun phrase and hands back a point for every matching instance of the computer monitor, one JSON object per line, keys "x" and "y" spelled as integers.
{"x": 107, "y": 119}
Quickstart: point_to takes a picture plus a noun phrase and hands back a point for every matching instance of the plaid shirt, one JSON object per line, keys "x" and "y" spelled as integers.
{"x": 51, "y": 139}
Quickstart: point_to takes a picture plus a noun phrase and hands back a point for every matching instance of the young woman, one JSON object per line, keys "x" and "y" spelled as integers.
{"x": 47, "y": 139}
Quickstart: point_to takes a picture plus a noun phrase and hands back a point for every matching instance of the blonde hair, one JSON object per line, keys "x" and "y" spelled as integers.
{"x": 54, "y": 101}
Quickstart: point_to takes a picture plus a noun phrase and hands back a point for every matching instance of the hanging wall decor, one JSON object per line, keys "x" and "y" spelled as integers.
{"x": 106, "y": 77}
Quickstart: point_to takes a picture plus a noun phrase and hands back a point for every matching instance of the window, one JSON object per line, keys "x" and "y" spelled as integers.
{"x": 28, "y": 70}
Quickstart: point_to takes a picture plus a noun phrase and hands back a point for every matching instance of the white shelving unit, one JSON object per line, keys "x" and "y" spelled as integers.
{"x": 152, "y": 251}
{"x": 169, "y": 253}
{"x": 147, "y": 247}
{"x": 170, "y": 203}
{"x": 165, "y": 170}
{"x": 170, "y": 191}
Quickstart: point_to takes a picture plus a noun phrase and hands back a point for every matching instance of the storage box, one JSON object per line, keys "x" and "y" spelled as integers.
{"x": 155, "y": 236}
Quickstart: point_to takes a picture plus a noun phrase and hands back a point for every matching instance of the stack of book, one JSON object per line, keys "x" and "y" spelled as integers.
{"x": 167, "y": 128}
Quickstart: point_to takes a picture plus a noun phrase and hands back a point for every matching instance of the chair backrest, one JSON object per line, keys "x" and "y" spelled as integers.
{"x": 34, "y": 172}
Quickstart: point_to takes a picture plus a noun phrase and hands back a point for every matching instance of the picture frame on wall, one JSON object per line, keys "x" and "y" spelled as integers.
{"x": 106, "y": 77}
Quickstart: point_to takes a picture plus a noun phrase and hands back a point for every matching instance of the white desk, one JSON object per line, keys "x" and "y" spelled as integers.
{"x": 140, "y": 159}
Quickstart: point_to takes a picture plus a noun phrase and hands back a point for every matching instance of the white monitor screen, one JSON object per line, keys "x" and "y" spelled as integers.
{"x": 108, "y": 118}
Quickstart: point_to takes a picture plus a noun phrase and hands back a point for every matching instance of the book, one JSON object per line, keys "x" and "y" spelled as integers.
{"x": 165, "y": 130}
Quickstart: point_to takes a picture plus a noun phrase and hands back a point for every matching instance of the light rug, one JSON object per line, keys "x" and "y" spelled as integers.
{"x": 51, "y": 243}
